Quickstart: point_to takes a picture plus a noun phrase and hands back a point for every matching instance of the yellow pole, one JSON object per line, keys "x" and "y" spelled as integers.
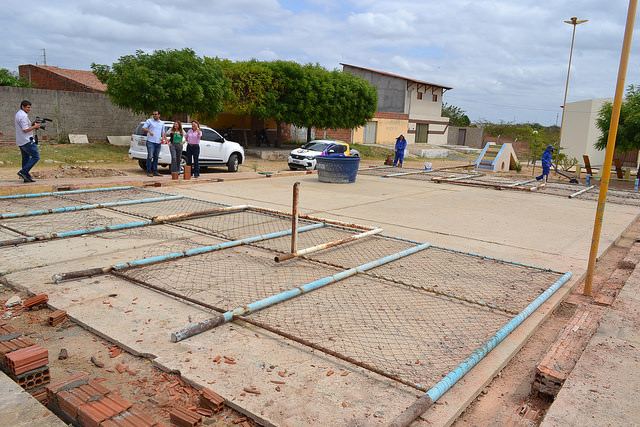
{"x": 611, "y": 144}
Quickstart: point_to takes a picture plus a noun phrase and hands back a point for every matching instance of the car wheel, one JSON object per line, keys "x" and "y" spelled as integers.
{"x": 292, "y": 168}
{"x": 183, "y": 162}
{"x": 233, "y": 163}
{"x": 142, "y": 164}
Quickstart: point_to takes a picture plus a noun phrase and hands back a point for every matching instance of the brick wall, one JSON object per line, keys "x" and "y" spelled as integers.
{"x": 90, "y": 114}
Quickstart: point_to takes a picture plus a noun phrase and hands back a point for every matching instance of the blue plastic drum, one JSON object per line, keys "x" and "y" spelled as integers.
{"x": 337, "y": 169}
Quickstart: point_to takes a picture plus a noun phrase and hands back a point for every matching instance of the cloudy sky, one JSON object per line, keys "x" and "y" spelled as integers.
{"x": 506, "y": 60}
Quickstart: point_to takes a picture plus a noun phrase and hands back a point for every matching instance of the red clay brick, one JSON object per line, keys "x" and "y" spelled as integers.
{"x": 67, "y": 383}
{"x": 57, "y": 317}
{"x": 26, "y": 359}
{"x": 36, "y": 301}
{"x": 12, "y": 345}
{"x": 184, "y": 417}
{"x": 211, "y": 400}
{"x": 91, "y": 414}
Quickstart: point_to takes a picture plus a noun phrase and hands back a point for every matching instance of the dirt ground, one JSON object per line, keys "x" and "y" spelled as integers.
{"x": 503, "y": 402}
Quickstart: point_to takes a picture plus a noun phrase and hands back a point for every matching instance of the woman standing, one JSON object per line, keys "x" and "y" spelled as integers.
{"x": 193, "y": 147}
{"x": 176, "y": 139}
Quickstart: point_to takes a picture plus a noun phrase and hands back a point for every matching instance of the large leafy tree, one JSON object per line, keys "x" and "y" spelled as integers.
{"x": 628, "y": 134}
{"x": 457, "y": 116}
{"x": 311, "y": 96}
{"x": 172, "y": 81}
{"x": 7, "y": 78}
{"x": 251, "y": 83}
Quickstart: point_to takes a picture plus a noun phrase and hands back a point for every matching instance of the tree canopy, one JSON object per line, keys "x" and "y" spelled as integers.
{"x": 7, "y": 78}
{"x": 628, "y": 134}
{"x": 457, "y": 116}
{"x": 172, "y": 81}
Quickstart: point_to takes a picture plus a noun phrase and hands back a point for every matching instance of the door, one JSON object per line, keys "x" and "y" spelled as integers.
{"x": 211, "y": 148}
{"x": 462, "y": 136}
{"x": 369, "y": 136}
{"x": 422, "y": 131}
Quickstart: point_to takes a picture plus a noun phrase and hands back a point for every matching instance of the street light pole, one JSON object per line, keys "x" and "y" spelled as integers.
{"x": 574, "y": 21}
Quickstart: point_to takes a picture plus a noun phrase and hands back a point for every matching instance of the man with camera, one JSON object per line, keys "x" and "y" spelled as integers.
{"x": 25, "y": 140}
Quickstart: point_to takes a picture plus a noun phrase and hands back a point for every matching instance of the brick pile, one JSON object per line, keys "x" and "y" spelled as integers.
{"x": 84, "y": 402}
{"x": 23, "y": 360}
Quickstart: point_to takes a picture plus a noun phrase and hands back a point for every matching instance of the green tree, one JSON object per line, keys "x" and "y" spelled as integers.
{"x": 7, "y": 78}
{"x": 628, "y": 134}
{"x": 311, "y": 96}
{"x": 250, "y": 85}
{"x": 457, "y": 116}
{"x": 172, "y": 81}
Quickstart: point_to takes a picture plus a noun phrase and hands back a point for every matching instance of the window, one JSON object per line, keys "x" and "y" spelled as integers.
{"x": 435, "y": 98}
{"x": 419, "y": 95}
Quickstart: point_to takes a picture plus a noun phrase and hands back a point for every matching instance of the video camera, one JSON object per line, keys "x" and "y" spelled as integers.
{"x": 43, "y": 122}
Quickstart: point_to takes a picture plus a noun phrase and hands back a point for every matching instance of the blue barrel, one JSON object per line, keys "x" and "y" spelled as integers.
{"x": 337, "y": 169}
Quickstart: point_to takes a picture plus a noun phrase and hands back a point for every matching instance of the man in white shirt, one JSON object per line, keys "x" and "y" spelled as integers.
{"x": 154, "y": 128}
{"x": 25, "y": 140}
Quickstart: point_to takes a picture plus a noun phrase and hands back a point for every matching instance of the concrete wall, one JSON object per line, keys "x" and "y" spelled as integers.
{"x": 579, "y": 131}
{"x": 473, "y": 137}
{"x": 391, "y": 90}
{"x": 90, "y": 114}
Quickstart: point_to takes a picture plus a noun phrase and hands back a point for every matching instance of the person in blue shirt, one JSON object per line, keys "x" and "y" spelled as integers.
{"x": 401, "y": 144}
{"x": 154, "y": 127}
{"x": 546, "y": 163}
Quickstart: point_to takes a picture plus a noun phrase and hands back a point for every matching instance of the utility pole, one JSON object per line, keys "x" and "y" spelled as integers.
{"x": 574, "y": 21}
{"x": 44, "y": 55}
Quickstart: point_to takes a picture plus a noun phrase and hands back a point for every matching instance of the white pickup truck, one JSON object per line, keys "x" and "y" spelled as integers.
{"x": 214, "y": 149}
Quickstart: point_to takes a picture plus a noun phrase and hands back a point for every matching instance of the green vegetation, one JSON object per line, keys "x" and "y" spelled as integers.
{"x": 68, "y": 154}
{"x": 457, "y": 116}
{"x": 7, "y": 78}
{"x": 628, "y": 134}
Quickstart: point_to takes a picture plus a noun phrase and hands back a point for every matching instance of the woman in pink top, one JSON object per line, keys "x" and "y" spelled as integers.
{"x": 193, "y": 147}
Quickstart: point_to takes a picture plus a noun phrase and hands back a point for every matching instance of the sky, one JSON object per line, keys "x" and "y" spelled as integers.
{"x": 505, "y": 60}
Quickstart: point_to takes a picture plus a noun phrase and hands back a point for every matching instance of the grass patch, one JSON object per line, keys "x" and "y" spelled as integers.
{"x": 68, "y": 154}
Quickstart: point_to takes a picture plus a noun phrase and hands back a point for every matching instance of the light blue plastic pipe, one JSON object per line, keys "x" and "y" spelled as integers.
{"x": 86, "y": 207}
{"x": 62, "y": 193}
{"x": 436, "y": 392}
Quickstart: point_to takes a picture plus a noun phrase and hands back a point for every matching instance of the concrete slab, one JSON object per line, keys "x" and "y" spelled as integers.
{"x": 20, "y": 409}
{"x": 523, "y": 227}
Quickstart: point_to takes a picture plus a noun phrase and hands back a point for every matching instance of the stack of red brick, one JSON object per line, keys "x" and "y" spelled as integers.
{"x": 81, "y": 401}
{"x": 23, "y": 360}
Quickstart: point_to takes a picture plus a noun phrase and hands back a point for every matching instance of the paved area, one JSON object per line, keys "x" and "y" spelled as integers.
{"x": 526, "y": 228}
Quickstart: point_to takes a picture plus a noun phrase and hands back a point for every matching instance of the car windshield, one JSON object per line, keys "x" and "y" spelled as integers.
{"x": 315, "y": 146}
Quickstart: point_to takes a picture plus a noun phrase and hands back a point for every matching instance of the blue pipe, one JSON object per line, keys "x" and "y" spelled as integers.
{"x": 59, "y": 277}
{"x": 286, "y": 295}
{"x": 62, "y": 193}
{"x": 86, "y": 207}
{"x": 635, "y": 187}
{"x": 436, "y": 392}
{"x": 205, "y": 249}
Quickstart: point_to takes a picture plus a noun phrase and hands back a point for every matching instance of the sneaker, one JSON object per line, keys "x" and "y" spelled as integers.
{"x": 149, "y": 174}
{"x": 24, "y": 177}
{"x": 30, "y": 177}
{"x": 538, "y": 178}
{"x": 156, "y": 174}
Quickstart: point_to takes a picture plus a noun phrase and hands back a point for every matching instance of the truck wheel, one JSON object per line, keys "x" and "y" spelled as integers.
{"x": 142, "y": 164}
{"x": 233, "y": 163}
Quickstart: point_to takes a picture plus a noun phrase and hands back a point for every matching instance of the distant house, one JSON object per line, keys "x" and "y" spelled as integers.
{"x": 405, "y": 106}
{"x": 579, "y": 133}
{"x": 54, "y": 78}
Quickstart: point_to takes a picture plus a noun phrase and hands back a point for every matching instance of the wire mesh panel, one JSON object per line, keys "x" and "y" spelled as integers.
{"x": 108, "y": 196}
{"x": 32, "y": 204}
{"x": 619, "y": 197}
{"x": 428, "y": 176}
{"x": 242, "y": 224}
{"x": 406, "y": 332}
{"x": 230, "y": 278}
{"x": 65, "y": 221}
{"x": 359, "y": 252}
{"x": 502, "y": 284}
{"x": 168, "y": 207}
{"x": 308, "y": 239}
